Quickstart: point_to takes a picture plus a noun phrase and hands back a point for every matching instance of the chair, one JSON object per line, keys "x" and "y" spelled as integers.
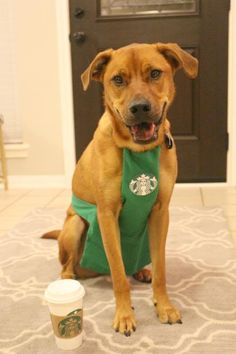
{"x": 3, "y": 177}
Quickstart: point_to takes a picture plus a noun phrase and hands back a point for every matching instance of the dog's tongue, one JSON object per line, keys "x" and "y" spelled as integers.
{"x": 143, "y": 131}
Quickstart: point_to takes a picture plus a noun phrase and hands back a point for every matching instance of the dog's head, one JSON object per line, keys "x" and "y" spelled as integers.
{"x": 138, "y": 84}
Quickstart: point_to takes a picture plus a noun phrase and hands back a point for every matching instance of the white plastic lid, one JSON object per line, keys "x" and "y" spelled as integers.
{"x": 64, "y": 291}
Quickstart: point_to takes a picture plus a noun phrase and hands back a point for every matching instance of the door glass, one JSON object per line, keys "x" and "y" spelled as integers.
{"x": 147, "y": 7}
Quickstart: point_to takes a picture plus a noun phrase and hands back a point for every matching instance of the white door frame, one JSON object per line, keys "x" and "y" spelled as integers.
{"x": 67, "y": 114}
{"x": 66, "y": 90}
{"x": 231, "y": 169}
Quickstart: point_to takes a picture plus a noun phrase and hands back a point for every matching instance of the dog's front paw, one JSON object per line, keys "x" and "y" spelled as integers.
{"x": 167, "y": 313}
{"x": 124, "y": 321}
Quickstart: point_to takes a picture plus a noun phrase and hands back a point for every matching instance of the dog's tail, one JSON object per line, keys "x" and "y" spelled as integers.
{"x": 51, "y": 234}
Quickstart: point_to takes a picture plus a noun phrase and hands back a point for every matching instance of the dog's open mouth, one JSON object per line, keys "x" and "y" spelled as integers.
{"x": 144, "y": 133}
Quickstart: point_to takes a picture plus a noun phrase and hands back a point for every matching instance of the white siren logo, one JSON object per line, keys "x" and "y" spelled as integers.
{"x": 143, "y": 185}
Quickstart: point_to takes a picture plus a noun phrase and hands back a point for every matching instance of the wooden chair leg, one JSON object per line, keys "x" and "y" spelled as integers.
{"x": 3, "y": 160}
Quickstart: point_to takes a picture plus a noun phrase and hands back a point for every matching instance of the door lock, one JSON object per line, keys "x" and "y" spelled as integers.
{"x": 78, "y": 37}
{"x": 78, "y": 12}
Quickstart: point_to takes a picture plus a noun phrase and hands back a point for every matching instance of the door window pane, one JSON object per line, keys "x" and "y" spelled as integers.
{"x": 146, "y": 7}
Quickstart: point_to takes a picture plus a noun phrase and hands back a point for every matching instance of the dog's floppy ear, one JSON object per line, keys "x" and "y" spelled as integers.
{"x": 179, "y": 58}
{"x": 96, "y": 69}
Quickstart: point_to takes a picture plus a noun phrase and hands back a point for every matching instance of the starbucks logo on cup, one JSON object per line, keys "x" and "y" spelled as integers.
{"x": 71, "y": 325}
{"x": 143, "y": 184}
{"x": 68, "y": 326}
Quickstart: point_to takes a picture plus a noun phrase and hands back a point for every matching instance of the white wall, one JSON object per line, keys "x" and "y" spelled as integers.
{"x": 38, "y": 88}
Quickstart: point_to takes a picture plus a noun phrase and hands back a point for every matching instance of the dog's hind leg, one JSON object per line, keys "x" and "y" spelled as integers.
{"x": 69, "y": 243}
{"x": 143, "y": 275}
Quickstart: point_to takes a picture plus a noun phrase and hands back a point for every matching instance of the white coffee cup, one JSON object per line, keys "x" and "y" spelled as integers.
{"x": 65, "y": 302}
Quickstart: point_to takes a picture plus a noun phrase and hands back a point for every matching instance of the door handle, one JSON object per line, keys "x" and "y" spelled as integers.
{"x": 78, "y": 37}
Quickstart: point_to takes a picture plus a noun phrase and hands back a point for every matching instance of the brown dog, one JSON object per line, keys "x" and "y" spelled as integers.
{"x": 138, "y": 90}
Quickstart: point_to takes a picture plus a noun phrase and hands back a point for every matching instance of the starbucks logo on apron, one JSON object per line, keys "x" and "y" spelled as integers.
{"x": 143, "y": 184}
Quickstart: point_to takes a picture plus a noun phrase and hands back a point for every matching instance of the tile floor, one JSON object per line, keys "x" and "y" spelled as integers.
{"x": 15, "y": 204}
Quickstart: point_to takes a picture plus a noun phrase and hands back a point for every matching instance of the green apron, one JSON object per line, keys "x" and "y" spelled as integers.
{"x": 139, "y": 191}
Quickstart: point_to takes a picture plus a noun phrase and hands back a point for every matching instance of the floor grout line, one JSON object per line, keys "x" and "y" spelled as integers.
{"x": 202, "y": 197}
{"x": 54, "y": 198}
{"x": 15, "y": 200}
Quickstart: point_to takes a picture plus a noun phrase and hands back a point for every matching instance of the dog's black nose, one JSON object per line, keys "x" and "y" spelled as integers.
{"x": 140, "y": 108}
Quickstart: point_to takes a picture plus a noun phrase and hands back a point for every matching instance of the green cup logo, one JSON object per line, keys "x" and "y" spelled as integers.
{"x": 68, "y": 326}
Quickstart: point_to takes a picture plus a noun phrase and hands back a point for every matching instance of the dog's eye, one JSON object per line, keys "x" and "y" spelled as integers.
{"x": 118, "y": 80}
{"x": 155, "y": 74}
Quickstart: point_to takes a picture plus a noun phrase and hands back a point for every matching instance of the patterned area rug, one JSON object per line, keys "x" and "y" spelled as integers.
{"x": 201, "y": 275}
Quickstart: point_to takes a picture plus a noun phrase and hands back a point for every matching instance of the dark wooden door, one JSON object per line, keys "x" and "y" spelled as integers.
{"x": 199, "y": 113}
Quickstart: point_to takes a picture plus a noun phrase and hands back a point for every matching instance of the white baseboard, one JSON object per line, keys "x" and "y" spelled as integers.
{"x": 44, "y": 181}
{"x": 203, "y": 185}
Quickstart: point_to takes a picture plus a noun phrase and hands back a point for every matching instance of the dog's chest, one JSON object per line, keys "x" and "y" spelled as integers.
{"x": 140, "y": 175}
{"x": 139, "y": 190}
